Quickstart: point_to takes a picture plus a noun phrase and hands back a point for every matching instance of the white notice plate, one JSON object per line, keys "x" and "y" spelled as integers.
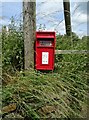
{"x": 45, "y": 57}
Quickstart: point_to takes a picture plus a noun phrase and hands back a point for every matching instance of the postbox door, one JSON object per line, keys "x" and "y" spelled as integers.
{"x": 45, "y": 58}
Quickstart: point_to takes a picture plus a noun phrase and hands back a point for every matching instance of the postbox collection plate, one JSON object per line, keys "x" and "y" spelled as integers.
{"x": 45, "y": 57}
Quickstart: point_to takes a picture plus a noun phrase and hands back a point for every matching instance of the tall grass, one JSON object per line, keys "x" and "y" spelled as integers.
{"x": 61, "y": 93}
{"x": 48, "y": 95}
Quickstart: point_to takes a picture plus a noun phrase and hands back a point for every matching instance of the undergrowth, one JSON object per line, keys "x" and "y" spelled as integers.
{"x": 62, "y": 93}
{"x": 51, "y": 95}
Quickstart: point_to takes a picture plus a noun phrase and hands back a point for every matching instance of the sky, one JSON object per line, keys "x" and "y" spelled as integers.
{"x": 49, "y": 14}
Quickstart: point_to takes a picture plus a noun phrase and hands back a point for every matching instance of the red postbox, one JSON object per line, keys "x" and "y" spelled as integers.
{"x": 45, "y": 50}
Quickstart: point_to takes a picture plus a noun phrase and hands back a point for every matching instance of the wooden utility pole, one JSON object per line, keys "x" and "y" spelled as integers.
{"x": 66, "y": 5}
{"x": 29, "y": 28}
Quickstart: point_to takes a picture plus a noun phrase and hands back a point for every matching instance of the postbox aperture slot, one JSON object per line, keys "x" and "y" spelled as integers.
{"x": 45, "y": 43}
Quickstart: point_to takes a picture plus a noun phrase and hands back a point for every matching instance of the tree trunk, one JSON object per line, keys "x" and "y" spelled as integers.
{"x": 29, "y": 28}
{"x": 67, "y": 17}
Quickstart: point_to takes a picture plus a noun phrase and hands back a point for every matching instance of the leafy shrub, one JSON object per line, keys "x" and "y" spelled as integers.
{"x": 12, "y": 47}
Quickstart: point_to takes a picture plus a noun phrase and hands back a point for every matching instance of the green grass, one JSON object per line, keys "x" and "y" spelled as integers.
{"x": 61, "y": 93}
{"x": 51, "y": 95}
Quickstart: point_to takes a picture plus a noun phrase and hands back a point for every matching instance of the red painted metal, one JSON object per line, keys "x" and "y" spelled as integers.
{"x": 45, "y": 50}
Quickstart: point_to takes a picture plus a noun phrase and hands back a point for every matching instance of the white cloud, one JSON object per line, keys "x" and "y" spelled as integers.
{"x": 79, "y": 19}
{"x": 49, "y": 8}
{"x": 0, "y": 9}
{"x": 42, "y": 0}
{"x": 51, "y": 14}
{"x": 78, "y": 16}
{"x": 11, "y": 1}
{"x": 46, "y": 13}
{"x": 4, "y": 22}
